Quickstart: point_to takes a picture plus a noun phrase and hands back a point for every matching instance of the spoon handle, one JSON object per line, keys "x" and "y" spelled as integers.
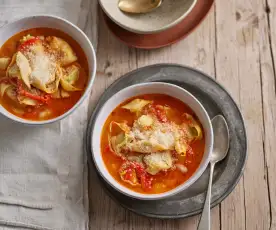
{"x": 205, "y": 220}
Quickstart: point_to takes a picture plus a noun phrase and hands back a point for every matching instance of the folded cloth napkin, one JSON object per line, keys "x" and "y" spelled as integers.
{"x": 43, "y": 169}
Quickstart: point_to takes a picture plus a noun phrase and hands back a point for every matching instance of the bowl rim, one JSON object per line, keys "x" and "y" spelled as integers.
{"x": 141, "y": 196}
{"x": 140, "y": 31}
{"x": 88, "y": 89}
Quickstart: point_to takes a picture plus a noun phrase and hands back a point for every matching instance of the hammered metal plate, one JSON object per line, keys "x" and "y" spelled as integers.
{"x": 216, "y": 100}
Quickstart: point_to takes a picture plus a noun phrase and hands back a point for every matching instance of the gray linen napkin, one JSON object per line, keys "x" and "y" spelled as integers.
{"x": 43, "y": 170}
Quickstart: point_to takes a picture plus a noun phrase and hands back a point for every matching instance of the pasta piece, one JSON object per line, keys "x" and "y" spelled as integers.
{"x": 145, "y": 121}
{"x": 138, "y": 159}
{"x": 26, "y": 38}
{"x": 11, "y": 93}
{"x": 196, "y": 131}
{"x": 26, "y": 100}
{"x": 117, "y": 142}
{"x": 157, "y": 162}
{"x": 193, "y": 127}
{"x": 142, "y": 146}
{"x": 71, "y": 74}
{"x": 45, "y": 114}
{"x": 122, "y": 126}
{"x": 32, "y": 46}
{"x": 13, "y": 60}
{"x": 60, "y": 93}
{"x": 24, "y": 68}
{"x": 67, "y": 55}
{"x": 56, "y": 94}
{"x": 136, "y": 105}
{"x": 52, "y": 87}
{"x": 67, "y": 86}
{"x": 128, "y": 174}
{"x": 181, "y": 147}
{"x": 69, "y": 78}
{"x": 3, "y": 88}
{"x": 64, "y": 94}
{"x": 13, "y": 71}
{"x": 4, "y": 62}
{"x": 18, "y": 111}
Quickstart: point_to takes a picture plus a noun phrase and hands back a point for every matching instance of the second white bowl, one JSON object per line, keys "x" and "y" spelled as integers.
{"x": 65, "y": 26}
{"x": 150, "y": 88}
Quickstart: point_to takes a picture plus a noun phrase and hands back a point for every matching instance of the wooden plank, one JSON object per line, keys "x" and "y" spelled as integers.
{"x": 238, "y": 67}
{"x": 268, "y": 74}
{"x": 232, "y": 209}
{"x": 115, "y": 60}
{"x": 244, "y": 63}
{"x": 197, "y": 51}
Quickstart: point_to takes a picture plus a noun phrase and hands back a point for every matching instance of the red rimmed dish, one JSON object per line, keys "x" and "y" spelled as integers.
{"x": 167, "y": 37}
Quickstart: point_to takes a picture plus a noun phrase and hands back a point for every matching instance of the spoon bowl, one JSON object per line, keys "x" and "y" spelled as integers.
{"x": 221, "y": 139}
{"x": 138, "y": 7}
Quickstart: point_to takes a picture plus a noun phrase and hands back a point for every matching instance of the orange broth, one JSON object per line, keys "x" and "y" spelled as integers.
{"x": 56, "y": 106}
{"x": 163, "y": 181}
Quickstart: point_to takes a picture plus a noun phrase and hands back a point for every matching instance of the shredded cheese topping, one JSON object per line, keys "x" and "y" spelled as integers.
{"x": 43, "y": 68}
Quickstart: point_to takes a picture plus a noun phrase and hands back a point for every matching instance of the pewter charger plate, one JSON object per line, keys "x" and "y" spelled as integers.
{"x": 216, "y": 100}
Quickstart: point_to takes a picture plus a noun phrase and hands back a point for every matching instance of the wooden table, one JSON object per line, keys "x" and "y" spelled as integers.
{"x": 236, "y": 44}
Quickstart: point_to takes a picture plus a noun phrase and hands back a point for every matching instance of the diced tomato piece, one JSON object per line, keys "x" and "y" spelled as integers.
{"x": 131, "y": 172}
{"x": 140, "y": 170}
{"x": 146, "y": 182}
{"x": 11, "y": 80}
{"x": 128, "y": 174}
{"x": 20, "y": 90}
{"x": 189, "y": 151}
{"x": 23, "y": 46}
{"x": 107, "y": 149}
{"x": 4, "y": 80}
{"x": 190, "y": 156}
{"x": 160, "y": 113}
{"x": 44, "y": 99}
{"x": 187, "y": 120}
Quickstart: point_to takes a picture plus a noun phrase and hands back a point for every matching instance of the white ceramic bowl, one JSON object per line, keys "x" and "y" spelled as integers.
{"x": 150, "y": 88}
{"x": 167, "y": 15}
{"x": 67, "y": 27}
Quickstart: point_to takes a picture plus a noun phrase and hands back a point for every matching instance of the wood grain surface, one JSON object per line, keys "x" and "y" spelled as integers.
{"x": 236, "y": 44}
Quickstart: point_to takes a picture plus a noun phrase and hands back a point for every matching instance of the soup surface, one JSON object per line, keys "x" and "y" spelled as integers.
{"x": 43, "y": 73}
{"x": 152, "y": 143}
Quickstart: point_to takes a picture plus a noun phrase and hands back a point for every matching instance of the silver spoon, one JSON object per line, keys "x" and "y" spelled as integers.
{"x": 138, "y": 6}
{"x": 220, "y": 149}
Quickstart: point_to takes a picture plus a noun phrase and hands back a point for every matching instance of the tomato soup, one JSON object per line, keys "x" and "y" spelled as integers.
{"x": 152, "y": 143}
{"x": 43, "y": 73}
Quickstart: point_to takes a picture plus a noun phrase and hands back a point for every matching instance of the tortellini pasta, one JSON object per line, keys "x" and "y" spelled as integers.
{"x": 67, "y": 55}
{"x": 3, "y": 88}
{"x": 157, "y": 162}
{"x": 24, "y": 68}
{"x": 148, "y": 135}
{"x": 4, "y": 62}
{"x": 136, "y": 105}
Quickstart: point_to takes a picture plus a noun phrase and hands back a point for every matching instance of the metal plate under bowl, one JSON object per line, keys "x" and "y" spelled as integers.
{"x": 216, "y": 100}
